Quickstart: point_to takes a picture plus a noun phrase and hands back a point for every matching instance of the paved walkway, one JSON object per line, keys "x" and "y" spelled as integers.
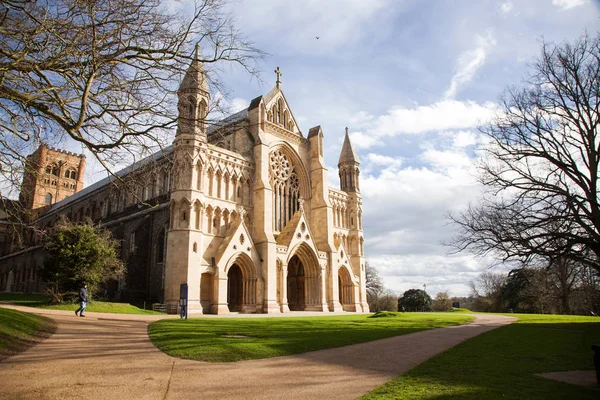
{"x": 109, "y": 356}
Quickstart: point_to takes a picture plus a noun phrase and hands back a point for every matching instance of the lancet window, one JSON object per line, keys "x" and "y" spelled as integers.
{"x": 286, "y": 189}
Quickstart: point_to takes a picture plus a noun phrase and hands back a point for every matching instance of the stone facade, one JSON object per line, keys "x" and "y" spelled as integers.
{"x": 239, "y": 210}
{"x": 51, "y": 175}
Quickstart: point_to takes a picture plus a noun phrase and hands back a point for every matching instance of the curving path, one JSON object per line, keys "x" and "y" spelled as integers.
{"x": 109, "y": 356}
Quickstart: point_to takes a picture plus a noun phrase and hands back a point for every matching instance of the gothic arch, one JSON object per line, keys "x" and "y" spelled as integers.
{"x": 304, "y": 279}
{"x": 241, "y": 283}
{"x": 346, "y": 289}
{"x": 297, "y": 162}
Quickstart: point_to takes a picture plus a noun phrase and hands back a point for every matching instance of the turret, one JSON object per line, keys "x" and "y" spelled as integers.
{"x": 193, "y": 100}
{"x": 348, "y": 167}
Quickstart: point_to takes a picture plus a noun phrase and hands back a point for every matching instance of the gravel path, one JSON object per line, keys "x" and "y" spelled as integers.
{"x": 109, "y": 356}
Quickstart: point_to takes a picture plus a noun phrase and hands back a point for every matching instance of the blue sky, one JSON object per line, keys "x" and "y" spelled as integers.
{"x": 411, "y": 80}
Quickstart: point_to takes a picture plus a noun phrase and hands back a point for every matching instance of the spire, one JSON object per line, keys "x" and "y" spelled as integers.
{"x": 348, "y": 155}
{"x": 195, "y": 79}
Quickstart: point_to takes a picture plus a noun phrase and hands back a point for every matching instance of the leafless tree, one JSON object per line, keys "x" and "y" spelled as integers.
{"x": 487, "y": 290}
{"x": 541, "y": 165}
{"x": 103, "y": 73}
{"x": 442, "y": 302}
{"x": 374, "y": 286}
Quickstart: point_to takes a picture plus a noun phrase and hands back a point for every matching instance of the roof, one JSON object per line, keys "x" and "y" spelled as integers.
{"x": 238, "y": 116}
{"x": 121, "y": 173}
{"x": 348, "y": 155}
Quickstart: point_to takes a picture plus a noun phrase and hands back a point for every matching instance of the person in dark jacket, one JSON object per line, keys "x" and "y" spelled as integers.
{"x": 83, "y": 299}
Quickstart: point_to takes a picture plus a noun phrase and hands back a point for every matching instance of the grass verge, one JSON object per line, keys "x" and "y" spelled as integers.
{"x": 225, "y": 340}
{"x": 19, "y": 331}
{"x": 41, "y": 301}
{"x": 501, "y": 364}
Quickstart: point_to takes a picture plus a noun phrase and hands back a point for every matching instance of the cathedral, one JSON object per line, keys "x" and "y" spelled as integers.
{"x": 239, "y": 210}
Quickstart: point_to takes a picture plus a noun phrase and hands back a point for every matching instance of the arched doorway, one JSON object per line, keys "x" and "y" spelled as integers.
{"x": 304, "y": 281}
{"x": 345, "y": 290}
{"x": 295, "y": 285}
{"x": 234, "y": 288}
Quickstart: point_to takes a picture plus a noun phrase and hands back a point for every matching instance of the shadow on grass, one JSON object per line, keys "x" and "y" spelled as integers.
{"x": 502, "y": 364}
{"x": 204, "y": 340}
{"x": 20, "y": 331}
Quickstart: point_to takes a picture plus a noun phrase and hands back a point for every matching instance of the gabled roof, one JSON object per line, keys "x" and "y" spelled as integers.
{"x": 277, "y": 91}
{"x": 231, "y": 244}
{"x": 297, "y": 231}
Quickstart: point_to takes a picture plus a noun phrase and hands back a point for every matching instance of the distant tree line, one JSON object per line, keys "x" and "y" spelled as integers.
{"x": 562, "y": 287}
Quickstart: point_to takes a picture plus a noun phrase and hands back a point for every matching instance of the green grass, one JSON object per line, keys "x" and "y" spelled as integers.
{"x": 19, "y": 330}
{"x": 23, "y": 299}
{"x": 501, "y": 364}
{"x": 205, "y": 339}
{"x": 460, "y": 310}
{"x": 41, "y": 301}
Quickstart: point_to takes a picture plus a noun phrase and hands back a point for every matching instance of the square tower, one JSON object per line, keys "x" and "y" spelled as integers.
{"x": 50, "y": 176}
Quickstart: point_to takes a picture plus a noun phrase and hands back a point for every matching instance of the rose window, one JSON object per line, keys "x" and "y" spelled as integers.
{"x": 280, "y": 166}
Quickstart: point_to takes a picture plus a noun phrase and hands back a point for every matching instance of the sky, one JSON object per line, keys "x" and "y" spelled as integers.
{"x": 411, "y": 80}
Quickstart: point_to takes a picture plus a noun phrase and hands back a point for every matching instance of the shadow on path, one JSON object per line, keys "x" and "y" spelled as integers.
{"x": 111, "y": 356}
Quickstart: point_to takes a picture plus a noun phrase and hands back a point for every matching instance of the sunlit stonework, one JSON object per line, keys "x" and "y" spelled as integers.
{"x": 239, "y": 210}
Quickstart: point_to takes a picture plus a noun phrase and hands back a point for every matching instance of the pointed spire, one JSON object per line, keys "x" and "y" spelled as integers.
{"x": 348, "y": 155}
{"x": 195, "y": 79}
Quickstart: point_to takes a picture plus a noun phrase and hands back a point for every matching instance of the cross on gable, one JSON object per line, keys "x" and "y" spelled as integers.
{"x": 279, "y": 74}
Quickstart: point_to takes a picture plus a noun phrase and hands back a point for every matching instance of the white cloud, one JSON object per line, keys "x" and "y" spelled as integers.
{"x": 463, "y": 139}
{"x": 441, "y": 116}
{"x": 361, "y": 140}
{"x": 378, "y": 159}
{"x": 437, "y": 272}
{"x": 568, "y": 4}
{"x": 506, "y": 7}
{"x": 239, "y": 104}
{"x": 469, "y": 62}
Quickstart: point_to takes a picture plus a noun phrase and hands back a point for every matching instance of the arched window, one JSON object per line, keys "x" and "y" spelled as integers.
{"x": 48, "y": 169}
{"x": 286, "y": 189}
{"x": 165, "y": 183}
{"x": 73, "y": 174}
{"x": 202, "y": 113}
{"x": 48, "y": 199}
{"x": 279, "y": 111}
{"x": 191, "y": 108}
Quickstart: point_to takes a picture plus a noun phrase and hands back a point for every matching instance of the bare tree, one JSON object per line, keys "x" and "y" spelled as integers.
{"x": 487, "y": 290}
{"x": 103, "y": 73}
{"x": 442, "y": 302}
{"x": 374, "y": 286}
{"x": 541, "y": 164}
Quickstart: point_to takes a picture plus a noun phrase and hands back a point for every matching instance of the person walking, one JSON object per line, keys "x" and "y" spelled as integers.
{"x": 83, "y": 299}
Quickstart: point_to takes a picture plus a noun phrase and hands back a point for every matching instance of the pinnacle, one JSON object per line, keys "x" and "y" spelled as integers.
{"x": 348, "y": 155}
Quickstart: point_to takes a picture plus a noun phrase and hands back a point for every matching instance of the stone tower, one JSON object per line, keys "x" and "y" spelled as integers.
{"x": 50, "y": 176}
{"x": 184, "y": 239}
{"x": 348, "y": 166}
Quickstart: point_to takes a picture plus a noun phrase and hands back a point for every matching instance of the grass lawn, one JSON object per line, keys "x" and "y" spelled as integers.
{"x": 19, "y": 330}
{"x": 252, "y": 338}
{"x": 41, "y": 301}
{"x": 501, "y": 364}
